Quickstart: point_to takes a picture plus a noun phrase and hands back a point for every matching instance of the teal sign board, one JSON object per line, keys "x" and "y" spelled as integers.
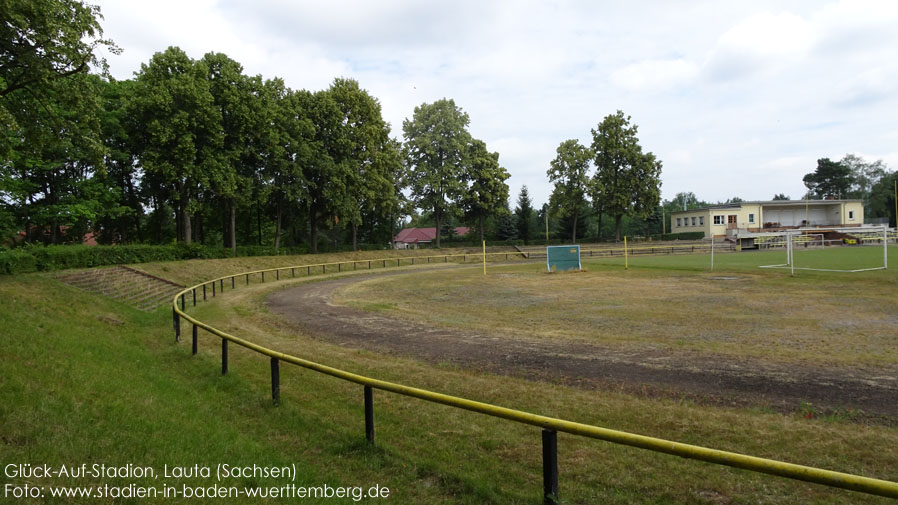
{"x": 563, "y": 257}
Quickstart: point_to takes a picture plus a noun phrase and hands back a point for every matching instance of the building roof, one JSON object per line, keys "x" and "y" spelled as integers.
{"x": 416, "y": 235}
{"x": 778, "y": 203}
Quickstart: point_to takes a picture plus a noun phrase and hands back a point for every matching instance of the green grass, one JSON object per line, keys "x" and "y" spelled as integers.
{"x": 85, "y": 379}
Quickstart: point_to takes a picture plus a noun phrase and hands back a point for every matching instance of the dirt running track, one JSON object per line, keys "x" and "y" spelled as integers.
{"x": 868, "y": 394}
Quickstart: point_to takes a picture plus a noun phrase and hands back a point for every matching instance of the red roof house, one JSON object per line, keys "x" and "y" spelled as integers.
{"x": 413, "y": 237}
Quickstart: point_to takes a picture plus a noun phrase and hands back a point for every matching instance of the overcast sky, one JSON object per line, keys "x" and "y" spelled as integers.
{"x": 735, "y": 98}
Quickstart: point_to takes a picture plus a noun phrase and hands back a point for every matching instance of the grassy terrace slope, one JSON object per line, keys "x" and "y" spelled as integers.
{"x": 85, "y": 379}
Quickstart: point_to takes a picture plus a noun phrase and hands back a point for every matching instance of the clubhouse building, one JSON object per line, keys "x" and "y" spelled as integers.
{"x": 746, "y": 219}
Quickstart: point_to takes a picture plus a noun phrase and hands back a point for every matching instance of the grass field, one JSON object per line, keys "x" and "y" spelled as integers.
{"x": 670, "y": 303}
{"x": 86, "y": 379}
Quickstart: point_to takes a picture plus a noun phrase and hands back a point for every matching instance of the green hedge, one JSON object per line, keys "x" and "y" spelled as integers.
{"x": 59, "y": 257}
{"x": 690, "y": 235}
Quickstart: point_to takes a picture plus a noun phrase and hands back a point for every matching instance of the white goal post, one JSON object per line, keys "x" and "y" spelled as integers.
{"x": 792, "y": 238}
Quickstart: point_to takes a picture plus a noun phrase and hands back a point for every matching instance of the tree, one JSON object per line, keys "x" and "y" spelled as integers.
{"x": 286, "y": 148}
{"x": 365, "y": 157}
{"x": 832, "y": 179}
{"x": 569, "y": 172}
{"x": 324, "y": 179}
{"x": 486, "y": 192}
{"x": 780, "y": 196}
{"x": 48, "y": 40}
{"x": 524, "y": 213}
{"x": 506, "y": 226}
{"x": 735, "y": 199}
{"x": 180, "y": 136}
{"x": 237, "y": 99}
{"x": 43, "y": 42}
{"x": 49, "y": 177}
{"x": 436, "y": 148}
{"x": 882, "y": 198}
{"x": 628, "y": 180}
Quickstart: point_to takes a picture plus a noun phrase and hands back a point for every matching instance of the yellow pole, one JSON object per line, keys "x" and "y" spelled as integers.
{"x": 484, "y": 257}
{"x": 626, "y": 258}
{"x": 547, "y": 227}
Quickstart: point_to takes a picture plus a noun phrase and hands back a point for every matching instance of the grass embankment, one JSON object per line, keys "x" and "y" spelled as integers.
{"x": 89, "y": 380}
{"x": 671, "y": 303}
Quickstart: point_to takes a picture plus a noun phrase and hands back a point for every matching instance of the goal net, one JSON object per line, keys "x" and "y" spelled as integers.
{"x": 811, "y": 251}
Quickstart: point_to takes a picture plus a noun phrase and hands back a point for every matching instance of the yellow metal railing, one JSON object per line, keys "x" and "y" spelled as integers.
{"x": 549, "y": 425}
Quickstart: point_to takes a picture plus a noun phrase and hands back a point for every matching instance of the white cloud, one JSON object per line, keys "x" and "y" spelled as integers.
{"x": 653, "y": 75}
{"x": 762, "y": 41}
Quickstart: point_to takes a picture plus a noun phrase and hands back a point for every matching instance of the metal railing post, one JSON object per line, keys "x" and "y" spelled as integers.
{"x": 183, "y": 302}
{"x": 176, "y": 322}
{"x": 194, "y": 338}
{"x": 232, "y": 282}
{"x": 277, "y": 275}
{"x": 224, "y": 356}
{"x": 247, "y": 279}
{"x": 213, "y": 289}
{"x": 275, "y": 381}
{"x": 550, "y": 467}
{"x": 263, "y": 275}
{"x": 194, "y": 296}
{"x": 221, "y": 285}
{"x": 204, "y": 292}
{"x": 369, "y": 414}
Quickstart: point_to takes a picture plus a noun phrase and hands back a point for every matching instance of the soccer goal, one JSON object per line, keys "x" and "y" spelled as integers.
{"x": 802, "y": 241}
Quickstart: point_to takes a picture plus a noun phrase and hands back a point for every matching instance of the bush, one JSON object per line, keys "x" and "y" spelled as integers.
{"x": 59, "y": 257}
{"x": 17, "y": 262}
{"x": 690, "y": 235}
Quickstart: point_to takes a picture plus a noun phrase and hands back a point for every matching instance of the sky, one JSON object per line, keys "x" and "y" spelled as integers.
{"x": 735, "y": 98}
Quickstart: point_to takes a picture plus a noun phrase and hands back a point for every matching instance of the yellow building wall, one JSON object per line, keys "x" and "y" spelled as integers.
{"x": 685, "y": 223}
{"x": 857, "y": 208}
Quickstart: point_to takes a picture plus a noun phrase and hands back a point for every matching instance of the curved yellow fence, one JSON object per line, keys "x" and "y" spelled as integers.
{"x": 768, "y": 466}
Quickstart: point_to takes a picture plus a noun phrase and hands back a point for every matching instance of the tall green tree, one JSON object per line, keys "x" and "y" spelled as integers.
{"x": 486, "y": 192}
{"x": 524, "y": 212}
{"x": 43, "y": 41}
{"x": 629, "y": 180}
{"x": 436, "y": 148}
{"x": 49, "y": 177}
{"x": 180, "y": 135}
{"x": 780, "y": 196}
{"x": 121, "y": 177}
{"x": 569, "y": 172}
{"x": 831, "y": 179}
{"x": 47, "y": 40}
{"x": 864, "y": 176}
{"x": 287, "y": 148}
{"x": 882, "y": 198}
{"x": 237, "y": 99}
{"x": 325, "y": 180}
{"x": 364, "y": 155}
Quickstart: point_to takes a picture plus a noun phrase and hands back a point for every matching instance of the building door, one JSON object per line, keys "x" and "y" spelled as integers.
{"x": 731, "y": 222}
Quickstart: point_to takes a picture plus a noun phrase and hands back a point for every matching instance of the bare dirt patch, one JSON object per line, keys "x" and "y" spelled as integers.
{"x": 863, "y": 393}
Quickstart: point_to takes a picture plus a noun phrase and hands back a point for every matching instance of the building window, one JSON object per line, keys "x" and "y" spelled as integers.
{"x": 851, "y": 215}
{"x": 751, "y": 218}
{"x": 693, "y": 221}
{"x": 701, "y": 220}
{"x": 678, "y": 222}
{"x": 718, "y": 220}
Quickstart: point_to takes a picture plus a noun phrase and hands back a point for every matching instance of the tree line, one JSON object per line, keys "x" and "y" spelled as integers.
{"x": 195, "y": 150}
